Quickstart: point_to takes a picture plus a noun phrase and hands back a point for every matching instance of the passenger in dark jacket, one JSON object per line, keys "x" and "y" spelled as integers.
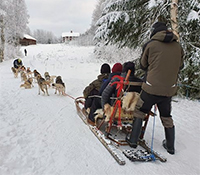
{"x": 17, "y": 63}
{"x": 94, "y": 87}
{"x": 109, "y": 91}
{"x": 162, "y": 59}
{"x": 96, "y": 103}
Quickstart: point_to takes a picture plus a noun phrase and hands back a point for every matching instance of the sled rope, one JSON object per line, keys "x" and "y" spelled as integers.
{"x": 69, "y": 96}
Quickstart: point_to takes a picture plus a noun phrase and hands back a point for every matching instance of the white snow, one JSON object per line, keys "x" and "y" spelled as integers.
{"x": 43, "y": 135}
{"x": 193, "y": 15}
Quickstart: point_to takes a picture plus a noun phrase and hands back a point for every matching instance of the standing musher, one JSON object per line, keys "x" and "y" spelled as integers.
{"x": 162, "y": 59}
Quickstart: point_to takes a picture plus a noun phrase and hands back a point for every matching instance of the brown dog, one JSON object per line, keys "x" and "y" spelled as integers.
{"x": 42, "y": 85}
{"x": 47, "y": 78}
{"x": 27, "y": 84}
{"x": 59, "y": 80}
{"x": 59, "y": 87}
{"x": 23, "y": 76}
{"x": 29, "y": 72}
{"x": 35, "y": 74}
{"x": 15, "y": 71}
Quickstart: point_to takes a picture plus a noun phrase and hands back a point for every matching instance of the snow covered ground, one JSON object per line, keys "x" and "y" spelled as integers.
{"x": 43, "y": 135}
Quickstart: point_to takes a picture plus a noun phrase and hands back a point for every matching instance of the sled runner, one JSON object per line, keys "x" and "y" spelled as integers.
{"x": 114, "y": 140}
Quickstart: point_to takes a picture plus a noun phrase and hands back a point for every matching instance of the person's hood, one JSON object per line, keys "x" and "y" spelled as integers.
{"x": 165, "y": 36}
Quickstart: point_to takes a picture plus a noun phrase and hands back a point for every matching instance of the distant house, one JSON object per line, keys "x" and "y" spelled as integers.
{"x": 27, "y": 40}
{"x": 68, "y": 36}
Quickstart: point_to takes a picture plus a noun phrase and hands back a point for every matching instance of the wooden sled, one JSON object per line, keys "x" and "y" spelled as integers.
{"x": 111, "y": 129}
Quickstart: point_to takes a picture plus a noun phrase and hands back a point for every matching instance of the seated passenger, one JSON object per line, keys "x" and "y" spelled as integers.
{"x": 94, "y": 87}
{"x": 96, "y": 104}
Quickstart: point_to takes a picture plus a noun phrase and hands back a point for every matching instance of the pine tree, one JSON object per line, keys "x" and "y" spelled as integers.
{"x": 189, "y": 27}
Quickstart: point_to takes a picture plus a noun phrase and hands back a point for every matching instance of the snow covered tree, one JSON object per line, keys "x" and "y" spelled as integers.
{"x": 2, "y": 35}
{"x": 189, "y": 27}
{"x": 127, "y": 23}
{"x": 45, "y": 37}
{"x": 13, "y": 25}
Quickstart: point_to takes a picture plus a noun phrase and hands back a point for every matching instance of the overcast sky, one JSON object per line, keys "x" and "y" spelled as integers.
{"x": 59, "y": 16}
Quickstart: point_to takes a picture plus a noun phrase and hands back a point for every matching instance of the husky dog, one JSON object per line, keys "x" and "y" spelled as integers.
{"x": 27, "y": 84}
{"x": 23, "y": 76}
{"x": 42, "y": 84}
{"x": 28, "y": 72}
{"x": 59, "y": 87}
{"x": 22, "y": 68}
{"x": 47, "y": 78}
{"x": 52, "y": 78}
{"x": 59, "y": 81}
{"x": 36, "y": 73}
{"x": 15, "y": 71}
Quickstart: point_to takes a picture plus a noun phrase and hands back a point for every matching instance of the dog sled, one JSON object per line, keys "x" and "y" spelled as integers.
{"x": 113, "y": 137}
{"x": 112, "y": 131}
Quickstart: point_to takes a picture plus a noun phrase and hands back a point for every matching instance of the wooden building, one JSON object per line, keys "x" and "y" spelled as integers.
{"x": 68, "y": 36}
{"x": 27, "y": 40}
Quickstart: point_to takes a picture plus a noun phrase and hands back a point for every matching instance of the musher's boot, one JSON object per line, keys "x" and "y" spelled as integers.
{"x": 168, "y": 143}
{"x": 135, "y": 133}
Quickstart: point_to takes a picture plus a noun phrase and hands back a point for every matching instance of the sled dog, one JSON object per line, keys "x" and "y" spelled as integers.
{"x": 23, "y": 76}
{"x": 42, "y": 84}
{"x": 35, "y": 74}
{"x": 15, "y": 71}
{"x": 49, "y": 79}
{"x": 59, "y": 80}
{"x": 59, "y": 87}
{"x": 29, "y": 72}
{"x": 27, "y": 84}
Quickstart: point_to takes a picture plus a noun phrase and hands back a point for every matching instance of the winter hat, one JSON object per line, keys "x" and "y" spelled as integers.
{"x": 117, "y": 67}
{"x": 105, "y": 68}
{"x": 129, "y": 66}
{"x": 157, "y": 27}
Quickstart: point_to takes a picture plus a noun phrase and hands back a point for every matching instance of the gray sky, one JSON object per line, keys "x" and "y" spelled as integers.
{"x": 60, "y": 16}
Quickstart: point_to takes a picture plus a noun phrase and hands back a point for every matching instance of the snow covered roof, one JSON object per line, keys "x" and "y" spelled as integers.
{"x": 28, "y": 37}
{"x": 70, "y": 34}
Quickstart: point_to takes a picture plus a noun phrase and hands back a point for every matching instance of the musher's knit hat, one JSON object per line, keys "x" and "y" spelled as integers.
{"x": 157, "y": 27}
